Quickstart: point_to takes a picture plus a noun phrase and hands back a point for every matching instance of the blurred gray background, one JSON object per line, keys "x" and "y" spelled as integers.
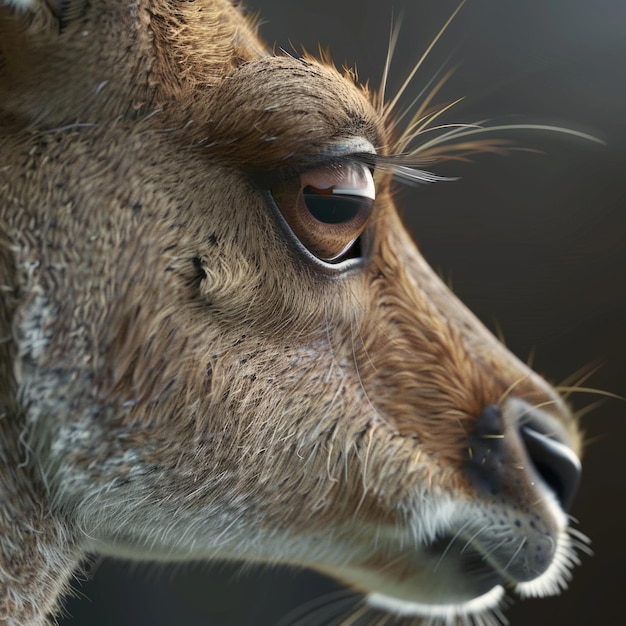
{"x": 533, "y": 242}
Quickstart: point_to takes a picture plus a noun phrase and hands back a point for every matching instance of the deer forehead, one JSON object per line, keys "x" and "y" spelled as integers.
{"x": 198, "y": 64}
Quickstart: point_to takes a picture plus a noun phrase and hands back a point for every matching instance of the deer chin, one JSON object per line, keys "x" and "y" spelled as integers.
{"x": 459, "y": 583}
{"x": 438, "y": 589}
{"x": 448, "y": 612}
{"x": 470, "y": 566}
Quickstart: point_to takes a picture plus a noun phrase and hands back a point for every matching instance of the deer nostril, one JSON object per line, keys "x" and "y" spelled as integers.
{"x": 487, "y": 457}
{"x": 501, "y": 435}
{"x": 556, "y": 463}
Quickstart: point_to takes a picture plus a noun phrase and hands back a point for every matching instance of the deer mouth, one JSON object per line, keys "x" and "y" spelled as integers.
{"x": 449, "y": 613}
{"x": 448, "y": 588}
{"x": 459, "y": 581}
{"x": 462, "y": 577}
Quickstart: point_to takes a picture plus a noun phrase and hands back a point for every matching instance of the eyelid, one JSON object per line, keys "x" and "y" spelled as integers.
{"x": 351, "y": 151}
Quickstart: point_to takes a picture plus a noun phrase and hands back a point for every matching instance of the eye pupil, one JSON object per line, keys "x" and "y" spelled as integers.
{"x": 327, "y": 208}
{"x": 331, "y": 209}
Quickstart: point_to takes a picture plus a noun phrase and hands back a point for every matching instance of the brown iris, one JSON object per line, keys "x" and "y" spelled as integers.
{"x": 328, "y": 208}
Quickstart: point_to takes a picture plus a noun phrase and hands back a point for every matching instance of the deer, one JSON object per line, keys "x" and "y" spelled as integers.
{"x": 218, "y": 340}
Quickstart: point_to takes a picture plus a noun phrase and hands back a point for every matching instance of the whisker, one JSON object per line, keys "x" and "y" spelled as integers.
{"x": 464, "y": 151}
{"x": 330, "y": 344}
{"x": 578, "y": 415}
{"x": 403, "y": 88}
{"x": 328, "y": 606}
{"x": 447, "y": 549}
{"x": 599, "y": 392}
{"x": 583, "y": 547}
{"x": 539, "y": 405}
{"x": 356, "y": 616}
{"x": 468, "y": 543}
{"x": 494, "y": 548}
{"x": 421, "y": 120}
{"x": 574, "y": 532}
{"x": 431, "y": 129}
{"x": 509, "y": 127}
{"x": 478, "y": 125}
{"x": 425, "y": 110}
{"x": 358, "y": 371}
{"x": 510, "y": 388}
{"x": 381, "y": 620}
{"x": 582, "y": 374}
{"x": 420, "y": 95}
{"x": 499, "y": 332}
{"x": 521, "y": 545}
{"x": 393, "y": 40}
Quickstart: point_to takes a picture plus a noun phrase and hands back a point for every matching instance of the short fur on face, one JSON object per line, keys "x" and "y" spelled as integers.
{"x": 180, "y": 379}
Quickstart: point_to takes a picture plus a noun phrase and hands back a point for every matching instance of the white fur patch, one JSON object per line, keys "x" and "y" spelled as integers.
{"x": 448, "y": 614}
{"x": 556, "y": 577}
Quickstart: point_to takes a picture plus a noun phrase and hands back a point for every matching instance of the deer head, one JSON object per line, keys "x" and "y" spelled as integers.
{"x": 219, "y": 342}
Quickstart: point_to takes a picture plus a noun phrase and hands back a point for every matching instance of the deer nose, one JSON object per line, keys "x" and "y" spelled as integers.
{"x": 554, "y": 461}
{"x": 525, "y": 438}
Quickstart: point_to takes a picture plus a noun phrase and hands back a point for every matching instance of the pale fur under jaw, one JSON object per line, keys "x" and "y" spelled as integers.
{"x": 445, "y": 614}
{"x": 213, "y": 535}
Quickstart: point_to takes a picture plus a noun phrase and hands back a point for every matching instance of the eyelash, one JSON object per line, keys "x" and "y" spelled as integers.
{"x": 328, "y": 218}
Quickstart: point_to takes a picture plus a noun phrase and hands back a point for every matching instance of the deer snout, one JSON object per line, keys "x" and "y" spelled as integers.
{"x": 539, "y": 452}
{"x": 522, "y": 465}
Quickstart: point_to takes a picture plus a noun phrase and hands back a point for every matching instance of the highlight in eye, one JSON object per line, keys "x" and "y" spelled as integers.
{"x": 328, "y": 208}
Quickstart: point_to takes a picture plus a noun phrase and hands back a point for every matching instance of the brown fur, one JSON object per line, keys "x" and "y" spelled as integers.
{"x": 160, "y": 341}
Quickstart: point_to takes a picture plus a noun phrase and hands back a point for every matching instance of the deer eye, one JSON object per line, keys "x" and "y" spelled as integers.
{"x": 327, "y": 208}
